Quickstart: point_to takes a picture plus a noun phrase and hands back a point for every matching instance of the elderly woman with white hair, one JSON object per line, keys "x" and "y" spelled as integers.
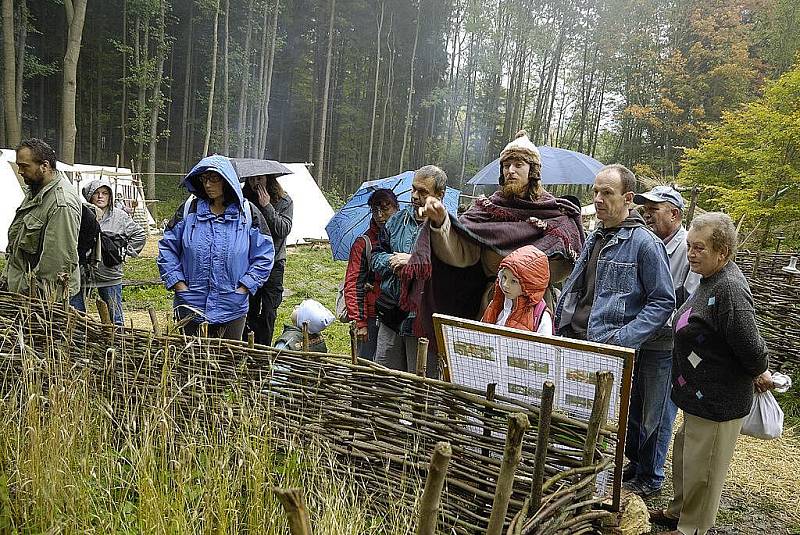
{"x": 718, "y": 359}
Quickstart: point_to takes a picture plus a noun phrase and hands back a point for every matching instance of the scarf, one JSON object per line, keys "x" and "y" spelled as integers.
{"x": 430, "y": 286}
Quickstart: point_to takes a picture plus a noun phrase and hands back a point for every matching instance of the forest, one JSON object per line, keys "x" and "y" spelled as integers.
{"x": 368, "y": 88}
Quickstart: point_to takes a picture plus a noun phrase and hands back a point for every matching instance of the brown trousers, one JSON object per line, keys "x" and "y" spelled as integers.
{"x": 701, "y": 455}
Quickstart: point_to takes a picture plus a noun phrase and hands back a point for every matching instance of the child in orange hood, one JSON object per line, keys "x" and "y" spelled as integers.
{"x": 518, "y": 293}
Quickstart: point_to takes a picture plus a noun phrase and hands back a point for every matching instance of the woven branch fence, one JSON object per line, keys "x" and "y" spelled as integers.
{"x": 776, "y": 294}
{"x": 381, "y": 423}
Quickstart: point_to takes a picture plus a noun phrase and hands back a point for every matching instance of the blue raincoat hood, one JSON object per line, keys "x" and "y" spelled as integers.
{"x": 219, "y": 164}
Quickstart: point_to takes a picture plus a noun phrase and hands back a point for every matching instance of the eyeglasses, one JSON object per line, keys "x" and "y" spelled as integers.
{"x": 383, "y": 208}
{"x": 207, "y": 178}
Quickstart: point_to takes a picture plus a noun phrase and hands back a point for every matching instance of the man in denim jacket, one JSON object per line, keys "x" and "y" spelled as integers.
{"x": 621, "y": 293}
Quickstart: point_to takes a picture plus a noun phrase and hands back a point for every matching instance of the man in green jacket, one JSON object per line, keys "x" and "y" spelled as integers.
{"x": 42, "y": 252}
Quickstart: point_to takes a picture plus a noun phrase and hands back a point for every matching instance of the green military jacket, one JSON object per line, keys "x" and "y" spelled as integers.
{"x": 43, "y": 242}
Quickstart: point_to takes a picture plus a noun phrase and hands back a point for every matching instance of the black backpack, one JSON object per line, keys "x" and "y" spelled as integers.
{"x": 88, "y": 234}
{"x": 112, "y": 248}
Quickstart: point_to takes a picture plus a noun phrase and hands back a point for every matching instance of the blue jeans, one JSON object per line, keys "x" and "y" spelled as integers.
{"x": 111, "y": 295}
{"x": 366, "y": 350}
{"x": 647, "y": 419}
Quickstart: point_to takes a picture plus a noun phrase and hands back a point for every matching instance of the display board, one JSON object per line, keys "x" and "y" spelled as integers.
{"x": 519, "y": 362}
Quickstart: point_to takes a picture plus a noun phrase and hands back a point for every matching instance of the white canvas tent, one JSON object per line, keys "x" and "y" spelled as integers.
{"x": 311, "y": 209}
{"x": 10, "y": 195}
{"x": 127, "y": 190}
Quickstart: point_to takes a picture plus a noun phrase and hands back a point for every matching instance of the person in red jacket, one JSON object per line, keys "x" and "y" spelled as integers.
{"x": 518, "y": 293}
{"x": 362, "y": 286}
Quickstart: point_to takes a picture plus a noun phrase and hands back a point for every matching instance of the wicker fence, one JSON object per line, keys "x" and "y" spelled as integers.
{"x": 383, "y": 424}
{"x": 776, "y": 294}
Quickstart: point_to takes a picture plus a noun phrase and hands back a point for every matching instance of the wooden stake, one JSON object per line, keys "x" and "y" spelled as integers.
{"x": 431, "y": 496}
{"x": 102, "y": 310}
{"x": 602, "y": 396}
{"x": 543, "y": 437}
{"x": 353, "y": 343}
{"x": 422, "y": 356}
{"x": 204, "y": 329}
{"x": 295, "y": 506}
{"x": 154, "y": 320}
{"x": 517, "y": 424}
{"x": 251, "y": 339}
{"x": 305, "y": 336}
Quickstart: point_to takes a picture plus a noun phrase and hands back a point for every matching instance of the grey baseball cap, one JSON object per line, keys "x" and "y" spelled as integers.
{"x": 661, "y": 194}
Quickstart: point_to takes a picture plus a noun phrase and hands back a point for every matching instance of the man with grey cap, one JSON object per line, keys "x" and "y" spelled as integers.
{"x": 662, "y": 209}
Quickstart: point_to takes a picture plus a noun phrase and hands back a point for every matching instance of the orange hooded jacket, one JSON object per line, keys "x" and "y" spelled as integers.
{"x": 530, "y": 266}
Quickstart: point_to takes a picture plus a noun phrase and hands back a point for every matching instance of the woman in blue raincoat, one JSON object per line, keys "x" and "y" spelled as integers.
{"x": 215, "y": 252}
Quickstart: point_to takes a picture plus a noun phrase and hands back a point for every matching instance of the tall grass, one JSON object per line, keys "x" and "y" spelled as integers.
{"x": 72, "y": 463}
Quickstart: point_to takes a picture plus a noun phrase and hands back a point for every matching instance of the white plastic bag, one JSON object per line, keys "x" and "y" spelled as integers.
{"x": 765, "y": 420}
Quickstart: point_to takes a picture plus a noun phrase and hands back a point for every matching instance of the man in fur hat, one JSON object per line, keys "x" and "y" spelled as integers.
{"x": 456, "y": 260}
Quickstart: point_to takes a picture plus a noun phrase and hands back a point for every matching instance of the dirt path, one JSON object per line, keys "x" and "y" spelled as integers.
{"x": 762, "y": 491}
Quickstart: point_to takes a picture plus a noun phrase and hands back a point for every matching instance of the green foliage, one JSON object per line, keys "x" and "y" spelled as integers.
{"x": 750, "y": 163}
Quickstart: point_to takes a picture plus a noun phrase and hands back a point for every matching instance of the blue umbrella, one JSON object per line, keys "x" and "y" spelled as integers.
{"x": 559, "y": 166}
{"x": 353, "y": 219}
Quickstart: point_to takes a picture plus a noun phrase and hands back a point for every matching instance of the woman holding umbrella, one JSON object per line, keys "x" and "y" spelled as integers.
{"x": 362, "y": 285}
{"x": 277, "y": 207}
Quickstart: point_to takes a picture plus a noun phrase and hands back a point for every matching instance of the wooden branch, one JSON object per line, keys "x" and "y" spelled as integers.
{"x": 102, "y": 310}
{"x": 422, "y": 356}
{"x": 295, "y": 506}
{"x": 602, "y": 396}
{"x": 154, "y": 320}
{"x": 543, "y": 436}
{"x": 353, "y": 343}
{"x": 517, "y": 424}
{"x": 431, "y": 496}
{"x": 305, "y": 336}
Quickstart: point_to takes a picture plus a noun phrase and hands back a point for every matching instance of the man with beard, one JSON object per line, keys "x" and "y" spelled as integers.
{"x": 456, "y": 260}
{"x": 396, "y": 345}
{"x": 43, "y": 237}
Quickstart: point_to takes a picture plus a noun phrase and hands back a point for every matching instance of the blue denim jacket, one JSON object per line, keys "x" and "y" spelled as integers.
{"x": 633, "y": 297}
{"x": 402, "y": 231}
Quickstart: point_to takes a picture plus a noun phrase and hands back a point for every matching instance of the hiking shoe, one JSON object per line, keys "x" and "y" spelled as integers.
{"x": 640, "y": 488}
{"x": 628, "y": 472}
{"x": 660, "y": 517}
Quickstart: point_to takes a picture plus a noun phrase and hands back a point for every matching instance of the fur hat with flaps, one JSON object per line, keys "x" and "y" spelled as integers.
{"x": 523, "y": 148}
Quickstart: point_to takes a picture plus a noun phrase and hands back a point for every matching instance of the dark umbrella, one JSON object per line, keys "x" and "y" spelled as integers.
{"x": 559, "y": 166}
{"x": 246, "y": 167}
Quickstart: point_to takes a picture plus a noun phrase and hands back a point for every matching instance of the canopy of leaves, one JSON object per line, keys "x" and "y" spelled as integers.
{"x": 749, "y": 165}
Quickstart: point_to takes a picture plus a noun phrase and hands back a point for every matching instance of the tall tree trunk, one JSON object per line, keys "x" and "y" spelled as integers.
{"x": 410, "y": 91}
{"x": 187, "y": 86}
{"x": 155, "y": 103}
{"x": 213, "y": 82}
{"x": 240, "y": 123}
{"x": 262, "y": 146}
{"x": 387, "y": 93}
{"x": 123, "y": 116}
{"x": 76, "y": 14}
{"x": 226, "y": 146}
{"x": 320, "y": 163}
{"x": 255, "y": 141}
{"x": 9, "y": 77}
{"x": 22, "y": 43}
{"x": 375, "y": 91}
{"x": 141, "y": 57}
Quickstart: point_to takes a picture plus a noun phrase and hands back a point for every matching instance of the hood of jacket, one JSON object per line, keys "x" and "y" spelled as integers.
{"x": 89, "y": 189}
{"x": 531, "y": 267}
{"x": 218, "y": 164}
